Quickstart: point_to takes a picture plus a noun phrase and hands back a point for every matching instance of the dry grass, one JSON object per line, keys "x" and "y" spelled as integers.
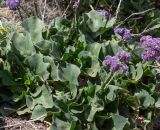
{"x": 53, "y": 9}
{"x": 6, "y": 13}
{"x": 22, "y": 123}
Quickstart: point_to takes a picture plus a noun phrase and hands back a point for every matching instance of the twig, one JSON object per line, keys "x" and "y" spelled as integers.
{"x": 35, "y": 8}
{"x": 40, "y": 8}
{"x": 113, "y": 2}
{"x": 97, "y": 3}
{"x": 24, "y": 11}
{"x": 139, "y": 13}
{"x": 48, "y": 123}
{"x": 157, "y": 19}
{"x": 44, "y": 10}
{"x": 91, "y": 7}
{"x": 57, "y": 4}
{"x": 118, "y": 8}
{"x": 145, "y": 31}
{"x": 108, "y": 6}
{"x": 20, "y": 14}
{"x": 67, "y": 8}
{"x": 33, "y": 126}
{"x": 8, "y": 126}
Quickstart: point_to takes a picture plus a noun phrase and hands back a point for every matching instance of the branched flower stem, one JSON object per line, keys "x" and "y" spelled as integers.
{"x": 118, "y": 8}
{"x": 107, "y": 82}
{"x": 35, "y": 8}
{"x": 134, "y": 14}
{"x": 64, "y": 13}
{"x": 20, "y": 14}
{"x": 44, "y": 10}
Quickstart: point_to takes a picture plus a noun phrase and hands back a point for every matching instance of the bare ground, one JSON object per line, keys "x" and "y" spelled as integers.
{"x": 22, "y": 123}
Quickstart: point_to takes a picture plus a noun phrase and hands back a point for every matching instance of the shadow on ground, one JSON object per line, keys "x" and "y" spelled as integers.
{"x": 2, "y": 123}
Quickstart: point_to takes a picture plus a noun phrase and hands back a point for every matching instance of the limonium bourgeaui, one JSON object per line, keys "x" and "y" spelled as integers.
{"x": 124, "y": 33}
{"x": 104, "y": 13}
{"x": 152, "y": 48}
{"x": 118, "y": 62}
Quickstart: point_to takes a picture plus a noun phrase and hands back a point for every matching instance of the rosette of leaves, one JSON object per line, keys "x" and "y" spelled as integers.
{"x": 57, "y": 72}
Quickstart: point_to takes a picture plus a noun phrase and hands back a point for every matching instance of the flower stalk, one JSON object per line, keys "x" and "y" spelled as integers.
{"x": 108, "y": 81}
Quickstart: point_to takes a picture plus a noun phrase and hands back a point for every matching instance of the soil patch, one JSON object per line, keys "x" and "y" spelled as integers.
{"x": 22, "y": 123}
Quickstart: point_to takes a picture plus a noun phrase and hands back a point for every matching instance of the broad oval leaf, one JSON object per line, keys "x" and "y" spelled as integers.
{"x": 34, "y": 26}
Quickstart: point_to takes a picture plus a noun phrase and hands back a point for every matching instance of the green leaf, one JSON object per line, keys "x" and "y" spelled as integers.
{"x": 95, "y": 66}
{"x": 39, "y": 113}
{"x": 61, "y": 104}
{"x": 22, "y": 44}
{"x": 76, "y": 107}
{"x": 65, "y": 72}
{"x": 96, "y": 106}
{"x": 73, "y": 125}
{"x": 24, "y": 111}
{"x": 149, "y": 101}
{"x": 47, "y": 47}
{"x": 90, "y": 63}
{"x": 133, "y": 71}
{"x": 94, "y": 48}
{"x": 111, "y": 22}
{"x": 104, "y": 75}
{"x": 54, "y": 71}
{"x": 69, "y": 53}
{"x": 93, "y": 23}
{"x": 112, "y": 48}
{"x": 34, "y": 26}
{"x": 73, "y": 89}
{"x": 146, "y": 99}
{"x": 92, "y": 126}
{"x": 45, "y": 98}
{"x": 111, "y": 96}
{"x": 139, "y": 71}
{"x": 93, "y": 111}
{"x": 119, "y": 122}
{"x": 133, "y": 102}
{"x": 38, "y": 66}
{"x": 138, "y": 51}
{"x": 60, "y": 24}
{"x": 6, "y": 78}
{"x": 157, "y": 104}
{"x": 37, "y": 92}
{"x": 44, "y": 46}
{"x": 29, "y": 101}
{"x": 60, "y": 125}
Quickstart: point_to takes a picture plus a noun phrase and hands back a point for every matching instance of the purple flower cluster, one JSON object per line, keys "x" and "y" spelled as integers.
{"x": 104, "y": 13}
{"x": 124, "y": 33}
{"x": 117, "y": 62}
{"x": 123, "y": 56}
{"x": 75, "y": 4}
{"x": 13, "y": 4}
{"x": 152, "y": 48}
